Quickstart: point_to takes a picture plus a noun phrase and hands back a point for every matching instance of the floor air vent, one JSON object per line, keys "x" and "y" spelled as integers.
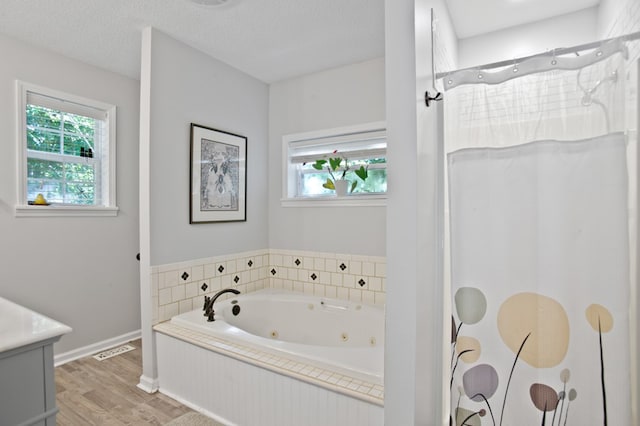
{"x": 113, "y": 352}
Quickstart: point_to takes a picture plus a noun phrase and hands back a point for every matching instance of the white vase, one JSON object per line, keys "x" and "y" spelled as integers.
{"x": 341, "y": 187}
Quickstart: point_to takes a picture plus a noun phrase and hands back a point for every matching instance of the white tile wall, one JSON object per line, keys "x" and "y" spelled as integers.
{"x": 177, "y": 287}
{"x": 342, "y": 276}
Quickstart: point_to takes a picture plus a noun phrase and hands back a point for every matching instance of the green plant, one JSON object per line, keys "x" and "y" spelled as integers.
{"x": 333, "y": 165}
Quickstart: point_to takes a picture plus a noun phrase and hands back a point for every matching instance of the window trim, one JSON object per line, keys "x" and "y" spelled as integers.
{"x": 377, "y": 200}
{"x": 289, "y": 173}
{"x": 108, "y": 186}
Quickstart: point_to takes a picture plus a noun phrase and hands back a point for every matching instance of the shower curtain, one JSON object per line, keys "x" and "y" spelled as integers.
{"x": 539, "y": 199}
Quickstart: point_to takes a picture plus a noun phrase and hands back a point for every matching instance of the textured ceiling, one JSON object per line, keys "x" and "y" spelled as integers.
{"x": 269, "y": 39}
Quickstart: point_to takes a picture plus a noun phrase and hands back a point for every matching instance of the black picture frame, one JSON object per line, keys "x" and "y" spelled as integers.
{"x": 218, "y": 170}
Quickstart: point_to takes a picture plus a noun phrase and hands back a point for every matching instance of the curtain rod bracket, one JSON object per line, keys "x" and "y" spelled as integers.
{"x": 428, "y": 98}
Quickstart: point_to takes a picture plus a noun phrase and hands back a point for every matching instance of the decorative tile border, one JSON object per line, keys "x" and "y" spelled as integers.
{"x": 179, "y": 287}
{"x": 324, "y": 378}
{"x": 341, "y": 276}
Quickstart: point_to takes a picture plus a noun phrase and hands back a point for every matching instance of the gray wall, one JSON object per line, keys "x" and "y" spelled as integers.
{"x": 80, "y": 271}
{"x": 338, "y": 97}
{"x": 188, "y": 86}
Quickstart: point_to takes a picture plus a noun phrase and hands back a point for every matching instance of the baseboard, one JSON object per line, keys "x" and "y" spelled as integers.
{"x": 84, "y": 351}
{"x": 148, "y": 384}
{"x": 197, "y": 408}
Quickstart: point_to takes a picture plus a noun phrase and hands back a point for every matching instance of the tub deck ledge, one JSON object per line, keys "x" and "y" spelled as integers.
{"x": 322, "y": 377}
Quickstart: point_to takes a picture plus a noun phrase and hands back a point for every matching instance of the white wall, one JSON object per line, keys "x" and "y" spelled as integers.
{"x": 562, "y": 31}
{"x": 81, "y": 271}
{"x": 188, "y": 86}
{"x": 414, "y": 309}
{"x": 617, "y": 18}
{"x": 338, "y": 97}
{"x": 607, "y": 13}
{"x": 610, "y": 18}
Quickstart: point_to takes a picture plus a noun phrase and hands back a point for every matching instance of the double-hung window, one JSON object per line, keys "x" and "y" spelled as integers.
{"x": 361, "y": 145}
{"x": 66, "y": 154}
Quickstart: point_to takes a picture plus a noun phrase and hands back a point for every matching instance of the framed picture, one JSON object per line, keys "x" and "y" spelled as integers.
{"x": 218, "y": 188}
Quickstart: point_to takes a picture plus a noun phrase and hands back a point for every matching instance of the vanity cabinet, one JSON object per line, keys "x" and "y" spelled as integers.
{"x": 27, "y": 382}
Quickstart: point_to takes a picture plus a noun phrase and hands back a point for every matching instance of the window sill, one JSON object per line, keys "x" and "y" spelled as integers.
{"x": 332, "y": 201}
{"x": 65, "y": 211}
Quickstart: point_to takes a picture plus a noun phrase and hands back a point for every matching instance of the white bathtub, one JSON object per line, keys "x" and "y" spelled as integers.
{"x": 336, "y": 334}
{"x": 325, "y": 351}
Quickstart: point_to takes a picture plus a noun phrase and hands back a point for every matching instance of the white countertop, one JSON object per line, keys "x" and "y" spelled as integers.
{"x": 20, "y": 326}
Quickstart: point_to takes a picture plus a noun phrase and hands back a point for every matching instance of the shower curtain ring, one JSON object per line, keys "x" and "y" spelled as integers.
{"x": 554, "y": 61}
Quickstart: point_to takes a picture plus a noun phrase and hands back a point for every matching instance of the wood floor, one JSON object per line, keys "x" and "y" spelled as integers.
{"x": 91, "y": 392}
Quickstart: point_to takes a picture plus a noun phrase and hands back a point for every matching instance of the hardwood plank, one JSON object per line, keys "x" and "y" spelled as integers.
{"x": 143, "y": 414}
{"x": 70, "y": 381}
{"x": 101, "y": 374}
{"x": 92, "y": 413}
{"x": 67, "y": 415}
{"x": 167, "y": 406}
{"x": 91, "y": 392}
{"x": 107, "y": 399}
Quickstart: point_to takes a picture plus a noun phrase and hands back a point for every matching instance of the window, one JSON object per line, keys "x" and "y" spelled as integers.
{"x": 67, "y": 153}
{"x": 363, "y": 145}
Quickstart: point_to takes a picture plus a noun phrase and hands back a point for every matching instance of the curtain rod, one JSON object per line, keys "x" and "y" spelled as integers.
{"x": 557, "y": 52}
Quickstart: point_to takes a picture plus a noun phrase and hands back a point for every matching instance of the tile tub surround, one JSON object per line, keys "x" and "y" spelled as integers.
{"x": 355, "y": 278}
{"x": 180, "y": 287}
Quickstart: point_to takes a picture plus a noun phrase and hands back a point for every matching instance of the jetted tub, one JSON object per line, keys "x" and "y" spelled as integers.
{"x": 338, "y": 335}
{"x": 276, "y": 358}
